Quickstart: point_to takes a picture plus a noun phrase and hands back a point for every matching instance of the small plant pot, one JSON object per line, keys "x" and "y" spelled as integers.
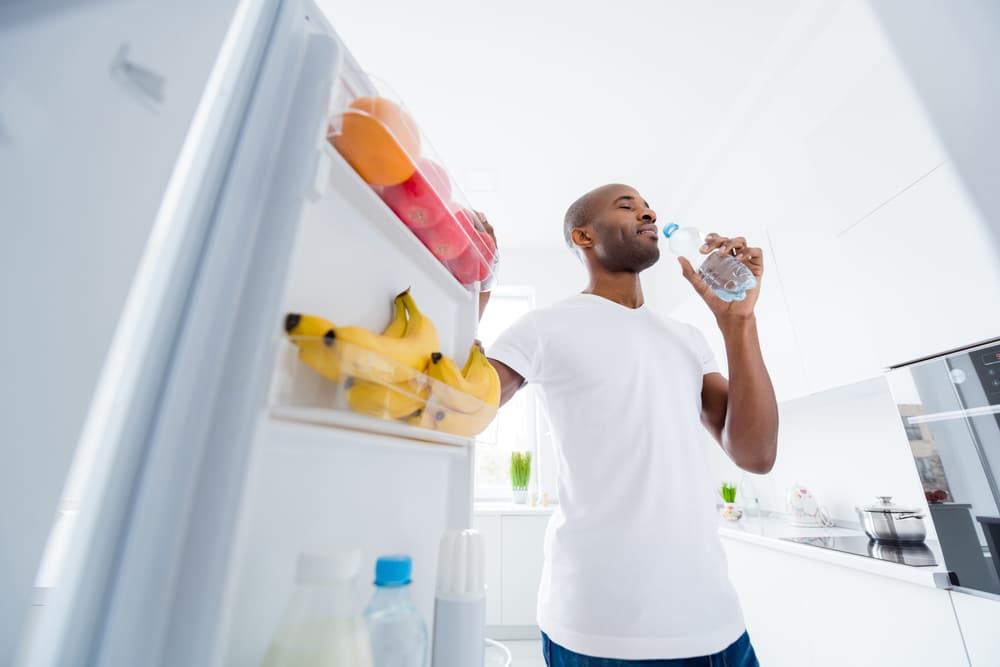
{"x": 730, "y": 512}
{"x": 520, "y": 496}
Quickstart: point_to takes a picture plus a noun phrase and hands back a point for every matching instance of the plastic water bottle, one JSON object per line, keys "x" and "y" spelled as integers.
{"x": 398, "y": 633}
{"x": 322, "y": 624}
{"x": 728, "y": 277}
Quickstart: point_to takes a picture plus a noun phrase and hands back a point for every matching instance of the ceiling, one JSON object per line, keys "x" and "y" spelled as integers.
{"x": 530, "y": 104}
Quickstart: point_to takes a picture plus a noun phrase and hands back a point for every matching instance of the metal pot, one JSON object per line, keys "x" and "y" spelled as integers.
{"x": 888, "y": 522}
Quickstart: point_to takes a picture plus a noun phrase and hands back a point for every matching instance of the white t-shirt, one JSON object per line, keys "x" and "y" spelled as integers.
{"x": 634, "y": 568}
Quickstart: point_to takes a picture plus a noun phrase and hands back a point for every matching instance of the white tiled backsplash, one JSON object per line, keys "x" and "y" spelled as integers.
{"x": 846, "y": 445}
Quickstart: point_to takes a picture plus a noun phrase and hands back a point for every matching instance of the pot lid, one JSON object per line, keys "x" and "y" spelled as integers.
{"x": 885, "y": 504}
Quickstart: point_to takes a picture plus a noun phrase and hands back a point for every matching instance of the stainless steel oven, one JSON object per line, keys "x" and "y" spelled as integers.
{"x": 949, "y": 405}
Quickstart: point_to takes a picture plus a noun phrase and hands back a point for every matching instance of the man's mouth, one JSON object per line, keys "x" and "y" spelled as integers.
{"x": 649, "y": 230}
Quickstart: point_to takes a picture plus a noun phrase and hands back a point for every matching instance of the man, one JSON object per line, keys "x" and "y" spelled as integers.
{"x": 634, "y": 569}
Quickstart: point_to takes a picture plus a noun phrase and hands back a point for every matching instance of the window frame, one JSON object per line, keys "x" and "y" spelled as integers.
{"x": 494, "y": 492}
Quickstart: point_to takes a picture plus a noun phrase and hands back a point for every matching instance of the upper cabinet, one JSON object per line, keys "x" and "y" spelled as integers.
{"x": 927, "y": 271}
{"x": 874, "y": 253}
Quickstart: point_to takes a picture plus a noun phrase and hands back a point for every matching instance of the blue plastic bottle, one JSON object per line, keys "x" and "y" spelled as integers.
{"x": 398, "y": 633}
{"x": 728, "y": 277}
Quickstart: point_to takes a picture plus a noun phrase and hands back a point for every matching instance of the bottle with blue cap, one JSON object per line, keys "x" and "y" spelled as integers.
{"x": 728, "y": 277}
{"x": 398, "y": 633}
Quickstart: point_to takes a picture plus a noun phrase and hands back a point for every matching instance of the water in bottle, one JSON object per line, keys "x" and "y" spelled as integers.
{"x": 728, "y": 277}
{"x": 398, "y": 633}
{"x": 322, "y": 625}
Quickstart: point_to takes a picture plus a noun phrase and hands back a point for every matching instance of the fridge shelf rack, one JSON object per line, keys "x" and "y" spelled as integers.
{"x": 321, "y": 380}
{"x": 378, "y": 138}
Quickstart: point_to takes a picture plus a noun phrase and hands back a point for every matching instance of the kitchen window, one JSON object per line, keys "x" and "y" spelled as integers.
{"x": 516, "y": 427}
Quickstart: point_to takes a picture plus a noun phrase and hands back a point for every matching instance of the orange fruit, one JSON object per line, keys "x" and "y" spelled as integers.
{"x": 379, "y": 140}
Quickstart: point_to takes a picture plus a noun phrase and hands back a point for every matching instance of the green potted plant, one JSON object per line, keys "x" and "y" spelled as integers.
{"x": 520, "y": 473}
{"x": 729, "y": 509}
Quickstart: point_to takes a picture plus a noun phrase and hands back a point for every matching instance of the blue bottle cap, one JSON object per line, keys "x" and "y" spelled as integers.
{"x": 392, "y": 571}
{"x": 670, "y": 229}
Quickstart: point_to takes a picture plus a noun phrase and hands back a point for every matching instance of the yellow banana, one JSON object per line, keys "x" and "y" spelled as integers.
{"x": 481, "y": 374}
{"x": 419, "y": 327}
{"x": 458, "y": 423}
{"x": 388, "y": 359}
{"x": 397, "y": 327}
{"x": 465, "y": 391}
{"x": 385, "y": 401}
{"x": 451, "y": 389}
{"x": 309, "y": 334}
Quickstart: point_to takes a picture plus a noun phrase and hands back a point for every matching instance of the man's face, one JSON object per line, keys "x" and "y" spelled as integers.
{"x": 624, "y": 230}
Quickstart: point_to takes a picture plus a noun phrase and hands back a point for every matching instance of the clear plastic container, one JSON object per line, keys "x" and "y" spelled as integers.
{"x": 398, "y": 633}
{"x": 725, "y": 275}
{"x": 379, "y": 138}
{"x": 315, "y": 372}
{"x": 322, "y": 625}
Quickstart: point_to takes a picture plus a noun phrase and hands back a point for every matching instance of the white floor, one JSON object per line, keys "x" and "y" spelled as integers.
{"x": 526, "y": 653}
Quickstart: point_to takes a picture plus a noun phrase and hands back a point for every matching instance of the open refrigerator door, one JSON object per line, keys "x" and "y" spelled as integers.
{"x": 270, "y": 439}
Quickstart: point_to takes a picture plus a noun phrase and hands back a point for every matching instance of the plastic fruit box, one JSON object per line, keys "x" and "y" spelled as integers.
{"x": 379, "y": 138}
{"x": 315, "y": 372}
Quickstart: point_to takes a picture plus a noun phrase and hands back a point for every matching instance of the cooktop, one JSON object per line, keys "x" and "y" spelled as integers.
{"x": 915, "y": 555}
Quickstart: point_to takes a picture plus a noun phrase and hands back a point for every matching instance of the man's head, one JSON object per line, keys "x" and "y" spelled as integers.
{"x": 614, "y": 229}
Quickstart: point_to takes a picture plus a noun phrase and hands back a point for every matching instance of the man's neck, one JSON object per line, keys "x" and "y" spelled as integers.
{"x": 622, "y": 288}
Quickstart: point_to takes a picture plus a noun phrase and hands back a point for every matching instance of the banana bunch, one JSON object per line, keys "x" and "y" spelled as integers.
{"x": 399, "y": 354}
{"x": 383, "y": 374}
{"x": 462, "y": 401}
{"x": 387, "y": 359}
{"x": 394, "y": 400}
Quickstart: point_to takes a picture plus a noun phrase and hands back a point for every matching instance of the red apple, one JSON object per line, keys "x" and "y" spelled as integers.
{"x": 477, "y": 260}
{"x": 446, "y": 240}
{"x": 420, "y": 200}
{"x": 465, "y": 218}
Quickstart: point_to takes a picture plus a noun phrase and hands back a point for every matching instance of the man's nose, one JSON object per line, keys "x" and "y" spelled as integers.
{"x": 648, "y": 216}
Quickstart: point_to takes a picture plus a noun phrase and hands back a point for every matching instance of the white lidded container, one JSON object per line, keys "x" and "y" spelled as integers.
{"x": 322, "y": 624}
{"x": 460, "y": 603}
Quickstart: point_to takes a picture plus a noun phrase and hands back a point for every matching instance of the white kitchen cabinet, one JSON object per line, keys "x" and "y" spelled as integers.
{"x": 823, "y": 301}
{"x": 800, "y": 611}
{"x": 979, "y": 619}
{"x": 492, "y": 531}
{"x": 927, "y": 269}
{"x": 523, "y": 538}
{"x": 778, "y": 341}
{"x": 871, "y": 138}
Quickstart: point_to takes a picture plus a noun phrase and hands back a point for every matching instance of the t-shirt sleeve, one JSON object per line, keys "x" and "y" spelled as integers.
{"x": 519, "y": 347}
{"x": 704, "y": 352}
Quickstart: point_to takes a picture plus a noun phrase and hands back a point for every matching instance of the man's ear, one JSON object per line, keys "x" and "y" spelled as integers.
{"x": 582, "y": 238}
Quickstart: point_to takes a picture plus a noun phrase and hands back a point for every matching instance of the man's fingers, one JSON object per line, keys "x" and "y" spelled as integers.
{"x": 753, "y": 258}
{"x": 733, "y": 246}
{"x": 712, "y": 241}
{"x": 483, "y": 224}
{"x": 723, "y": 244}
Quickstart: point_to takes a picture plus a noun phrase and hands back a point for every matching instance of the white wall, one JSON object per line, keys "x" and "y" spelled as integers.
{"x": 556, "y": 273}
{"x": 846, "y": 445}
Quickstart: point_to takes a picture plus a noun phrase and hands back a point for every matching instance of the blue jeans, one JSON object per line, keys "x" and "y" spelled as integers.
{"x": 738, "y": 654}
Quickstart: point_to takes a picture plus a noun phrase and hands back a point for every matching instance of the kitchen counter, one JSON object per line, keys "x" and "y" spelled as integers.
{"x": 768, "y": 531}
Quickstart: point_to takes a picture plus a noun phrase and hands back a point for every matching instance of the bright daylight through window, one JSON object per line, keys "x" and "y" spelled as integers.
{"x": 515, "y": 428}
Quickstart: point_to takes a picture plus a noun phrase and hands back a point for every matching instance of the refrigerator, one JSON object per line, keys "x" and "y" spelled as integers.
{"x": 198, "y": 480}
